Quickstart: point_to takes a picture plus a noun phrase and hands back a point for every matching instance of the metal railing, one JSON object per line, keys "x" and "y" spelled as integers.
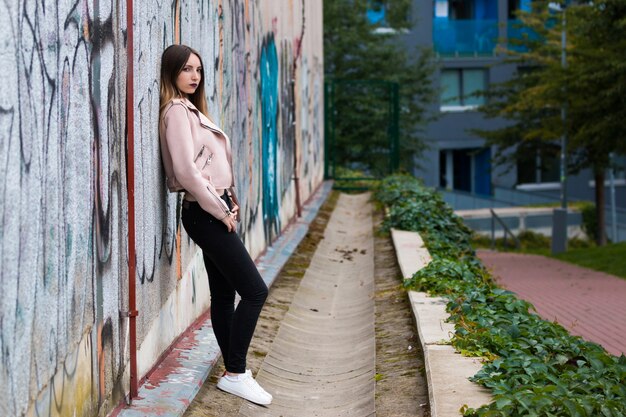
{"x": 460, "y": 200}
{"x": 464, "y": 37}
{"x": 507, "y": 231}
{"x": 506, "y": 197}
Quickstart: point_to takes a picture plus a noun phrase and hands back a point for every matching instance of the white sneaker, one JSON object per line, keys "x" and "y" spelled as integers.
{"x": 249, "y": 372}
{"x": 244, "y": 386}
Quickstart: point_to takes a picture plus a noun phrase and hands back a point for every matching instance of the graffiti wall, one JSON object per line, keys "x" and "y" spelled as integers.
{"x": 63, "y": 181}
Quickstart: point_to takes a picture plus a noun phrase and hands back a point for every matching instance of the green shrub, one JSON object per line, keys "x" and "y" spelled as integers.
{"x": 530, "y": 242}
{"x": 530, "y": 239}
{"x": 534, "y": 367}
{"x": 417, "y": 208}
{"x": 357, "y": 182}
{"x": 589, "y": 221}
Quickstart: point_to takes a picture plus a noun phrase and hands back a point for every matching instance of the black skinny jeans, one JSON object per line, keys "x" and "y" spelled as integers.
{"x": 230, "y": 269}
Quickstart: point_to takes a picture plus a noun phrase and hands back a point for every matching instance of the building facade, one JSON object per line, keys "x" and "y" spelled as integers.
{"x": 464, "y": 35}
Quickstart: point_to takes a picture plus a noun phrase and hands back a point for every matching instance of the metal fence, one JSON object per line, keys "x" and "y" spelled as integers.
{"x": 540, "y": 222}
{"x": 355, "y": 161}
{"x": 459, "y": 200}
{"x": 523, "y": 198}
{"x": 506, "y": 197}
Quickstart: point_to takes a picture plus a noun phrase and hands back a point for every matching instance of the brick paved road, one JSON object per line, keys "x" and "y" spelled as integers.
{"x": 588, "y": 303}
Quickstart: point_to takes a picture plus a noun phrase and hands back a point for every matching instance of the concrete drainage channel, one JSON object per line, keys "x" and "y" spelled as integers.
{"x": 322, "y": 361}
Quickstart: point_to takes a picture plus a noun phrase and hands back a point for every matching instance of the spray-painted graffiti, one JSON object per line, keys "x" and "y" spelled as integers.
{"x": 236, "y": 103}
{"x": 287, "y": 113}
{"x": 310, "y": 114}
{"x": 63, "y": 197}
{"x": 63, "y": 180}
{"x": 269, "y": 106}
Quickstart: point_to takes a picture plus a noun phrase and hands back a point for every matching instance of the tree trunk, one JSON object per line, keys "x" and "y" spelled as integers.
{"x": 601, "y": 233}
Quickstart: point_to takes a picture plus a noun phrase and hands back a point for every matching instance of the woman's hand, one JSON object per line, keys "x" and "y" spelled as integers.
{"x": 229, "y": 221}
{"x": 235, "y": 203}
{"x": 235, "y": 211}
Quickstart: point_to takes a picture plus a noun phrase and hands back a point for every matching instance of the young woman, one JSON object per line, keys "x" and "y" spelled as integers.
{"x": 197, "y": 159}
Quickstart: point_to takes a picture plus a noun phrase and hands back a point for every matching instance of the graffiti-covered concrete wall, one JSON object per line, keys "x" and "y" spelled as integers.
{"x": 63, "y": 180}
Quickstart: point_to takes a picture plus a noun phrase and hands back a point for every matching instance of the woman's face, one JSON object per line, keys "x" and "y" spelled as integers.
{"x": 190, "y": 76}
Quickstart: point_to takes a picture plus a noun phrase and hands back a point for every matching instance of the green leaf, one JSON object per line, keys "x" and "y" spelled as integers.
{"x": 503, "y": 402}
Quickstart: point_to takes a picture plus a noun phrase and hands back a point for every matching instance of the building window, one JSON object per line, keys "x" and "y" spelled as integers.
{"x": 542, "y": 166}
{"x": 516, "y": 5}
{"x": 441, "y": 9}
{"x": 513, "y": 8}
{"x": 466, "y": 170}
{"x": 460, "y": 86}
{"x": 467, "y": 9}
{"x": 461, "y": 9}
{"x": 619, "y": 167}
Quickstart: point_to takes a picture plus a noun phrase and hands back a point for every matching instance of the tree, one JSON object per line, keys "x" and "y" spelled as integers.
{"x": 354, "y": 50}
{"x": 591, "y": 88}
{"x": 598, "y": 80}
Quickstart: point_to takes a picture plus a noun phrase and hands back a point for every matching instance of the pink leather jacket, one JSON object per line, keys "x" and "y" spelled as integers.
{"x": 196, "y": 156}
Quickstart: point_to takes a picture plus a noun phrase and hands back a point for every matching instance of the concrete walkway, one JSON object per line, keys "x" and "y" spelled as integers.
{"x": 588, "y": 303}
{"x": 322, "y": 361}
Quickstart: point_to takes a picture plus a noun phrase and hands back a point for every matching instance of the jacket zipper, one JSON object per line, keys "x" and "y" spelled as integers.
{"x": 219, "y": 201}
{"x": 208, "y": 161}
{"x": 199, "y": 154}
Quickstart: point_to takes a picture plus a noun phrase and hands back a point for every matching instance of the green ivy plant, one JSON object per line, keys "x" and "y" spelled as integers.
{"x": 533, "y": 367}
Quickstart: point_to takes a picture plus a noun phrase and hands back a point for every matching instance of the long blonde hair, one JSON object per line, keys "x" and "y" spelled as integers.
{"x": 173, "y": 61}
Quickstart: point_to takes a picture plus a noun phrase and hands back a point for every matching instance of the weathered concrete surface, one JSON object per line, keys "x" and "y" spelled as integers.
{"x": 447, "y": 372}
{"x": 177, "y": 379}
{"x": 410, "y": 242}
{"x": 432, "y": 326}
{"x": 322, "y": 362}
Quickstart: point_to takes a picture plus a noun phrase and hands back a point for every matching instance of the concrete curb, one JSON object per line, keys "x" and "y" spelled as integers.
{"x": 447, "y": 371}
{"x": 171, "y": 386}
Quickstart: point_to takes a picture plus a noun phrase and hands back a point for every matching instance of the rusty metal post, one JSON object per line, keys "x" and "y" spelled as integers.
{"x": 130, "y": 185}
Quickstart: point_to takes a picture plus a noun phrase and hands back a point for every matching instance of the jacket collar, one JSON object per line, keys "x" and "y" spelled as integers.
{"x": 187, "y": 103}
